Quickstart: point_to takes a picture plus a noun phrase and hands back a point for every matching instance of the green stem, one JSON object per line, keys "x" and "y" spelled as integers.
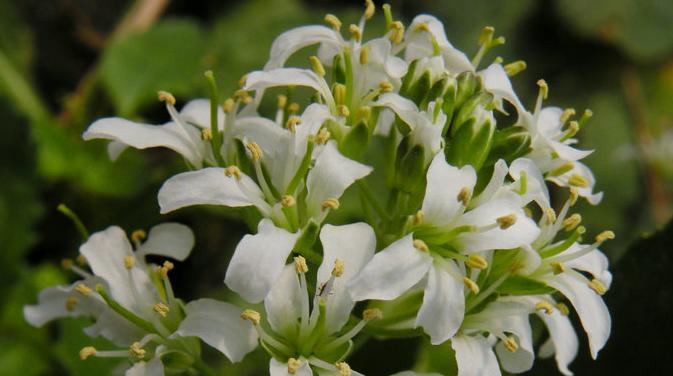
{"x": 216, "y": 139}
{"x": 125, "y": 313}
{"x": 84, "y": 233}
{"x": 20, "y": 92}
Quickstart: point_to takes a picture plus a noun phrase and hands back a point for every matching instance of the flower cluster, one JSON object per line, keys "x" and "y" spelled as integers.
{"x": 453, "y": 234}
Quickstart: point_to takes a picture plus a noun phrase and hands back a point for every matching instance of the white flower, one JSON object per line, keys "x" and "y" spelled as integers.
{"x": 426, "y": 32}
{"x": 302, "y": 337}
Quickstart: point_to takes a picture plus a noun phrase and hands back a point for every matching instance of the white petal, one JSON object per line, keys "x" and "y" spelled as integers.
{"x": 197, "y": 112}
{"x": 594, "y": 262}
{"x": 443, "y": 305}
{"x": 391, "y": 272}
{"x": 404, "y": 108}
{"x": 586, "y": 192}
{"x": 440, "y": 204}
{"x": 497, "y": 179}
{"x": 522, "y": 359}
{"x": 105, "y": 252}
{"x": 384, "y": 122}
{"x": 114, "y": 328}
{"x": 283, "y": 304}
{"x": 354, "y": 245}
{"x": 293, "y": 40}
{"x": 115, "y": 149}
{"x": 419, "y": 45}
{"x": 496, "y": 81}
{"x": 51, "y": 304}
{"x": 562, "y": 339}
{"x": 590, "y": 307}
{"x": 330, "y": 176}
{"x": 219, "y": 324}
{"x": 475, "y": 356}
{"x": 152, "y": 368}
{"x": 172, "y": 240}
{"x": 260, "y": 80}
{"x": 142, "y": 136}
{"x": 523, "y": 231}
{"x": 259, "y": 260}
{"x": 277, "y": 368}
{"x": 536, "y": 189}
{"x": 208, "y": 186}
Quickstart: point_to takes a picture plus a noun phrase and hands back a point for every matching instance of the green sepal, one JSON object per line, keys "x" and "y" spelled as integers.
{"x": 407, "y": 80}
{"x": 509, "y": 144}
{"x": 335, "y": 355}
{"x": 356, "y": 141}
{"x": 308, "y": 236}
{"x": 449, "y": 102}
{"x": 436, "y": 91}
{"x": 419, "y": 89}
{"x": 472, "y": 142}
{"x": 176, "y": 360}
{"x": 410, "y": 170}
{"x": 470, "y": 108}
{"x": 468, "y": 83}
{"x": 338, "y": 70}
{"x": 520, "y": 285}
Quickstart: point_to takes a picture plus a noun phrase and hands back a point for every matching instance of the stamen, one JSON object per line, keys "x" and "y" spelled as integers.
{"x": 578, "y": 181}
{"x": 255, "y": 151}
{"x": 476, "y": 262}
{"x": 242, "y": 80}
{"x": 206, "y": 134}
{"x": 464, "y": 195}
{"x": 287, "y": 201}
{"x": 243, "y": 96}
{"x": 396, "y": 34}
{"x": 66, "y": 264}
{"x": 544, "y": 88}
{"x": 572, "y": 130}
{"x": 281, "y": 101}
{"x": 510, "y": 344}
{"x": 138, "y": 236}
{"x": 86, "y": 352}
{"x": 598, "y": 287}
{"x": 333, "y": 21}
{"x": 322, "y": 136}
{"x": 364, "y": 55}
{"x": 129, "y": 262}
{"x": 562, "y": 169}
{"x": 83, "y": 289}
{"x": 506, "y": 221}
{"x": 550, "y": 216}
{"x": 586, "y": 116}
{"x": 470, "y": 284}
{"x": 166, "y": 97}
{"x": 420, "y": 245}
{"x": 418, "y": 218}
{"x": 563, "y": 309}
{"x": 137, "y": 351}
{"x": 300, "y": 264}
{"x": 574, "y": 195}
{"x": 364, "y": 113}
{"x": 566, "y": 115}
{"x": 338, "y": 269}
{"x": 343, "y": 110}
{"x": 331, "y": 203}
{"x": 557, "y": 267}
{"x": 370, "y": 8}
{"x": 161, "y": 309}
{"x": 253, "y": 316}
{"x": 233, "y": 171}
{"x": 545, "y": 306}
{"x": 293, "y": 108}
{"x": 293, "y": 365}
{"x": 570, "y": 223}
{"x": 343, "y": 367}
{"x": 355, "y": 32}
{"x": 605, "y": 235}
{"x": 385, "y": 87}
{"x": 71, "y": 303}
{"x": 81, "y": 260}
{"x": 162, "y": 271}
{"x": 512, "y": 69}
{"x": 316, "y": 65}
{"x": 292, "y": 123}
{"x": 486, "y": 35}
{"x": 228, "y": 105}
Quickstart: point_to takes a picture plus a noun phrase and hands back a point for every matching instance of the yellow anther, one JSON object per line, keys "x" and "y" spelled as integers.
{"x": 364, "y": 55}
{"x": 514, "y": 68}
{"x": 364, "y": 113}
{"x": 233, "y": 171}
{"x": 339, "y": 94}
{"x": 166, "y": 97}
{"x": 255, "y": 151}
{"x": 333, "y": 21}
{"x": 293, "y": 108}
{"x": 342, "y": 110}
{"x": 418, "y": 218}
{"x": 557, "y": 267}
{"x": 137, "y": 351}
{"x": 81, "y": 260}
{"x": 161, "y": 309}
{"x": 228, "y": 105}
{"x": 396, "y": 32}
{"x": 598, "y": 287}
{"x": 86, "y": 352}
{"x": 573, "y": 128}
{"x": 385, "y": 87}
{"x": 563, "y": 309}
{"x": 566, "y": 115}
{"x": 578, "y": 181}
{"x": 287, "y": 201}
{"x": 506, "y": 221}
{"x": 528, "y": 212}
{"x": 574, "y": 195}
{"x": 470, "y": 284}
{"x": 420, "y": 245}
{"x": 343, "y": 367}
{"x": 464, "y": 195}
{"x": 549, "y": 216}
{"x": 476, "y": 262}
{"x": 372, "y": 314}
{"x": 605, "y": 235}
{"x": 545, "y": 306}
{"x": 331, "y": 203}
{"x": 355, "y": 32}
{"x": 206, "y": 134}
{"x": 71, "y": 303}
{"x": 293, "y": 365}
{"x": 510, "y": 344}
{"x": 129, "y": 262}
{"x": 338, "y": 269}
{"x": 242, "y": 80}
{"x": 572, "y": 222}
{"x": 138, "y": 236}
{"x": 316, "y": 65}
{"x": 544, "y": 89}
{"x": 292, "y": 123}
{"x": 486, "y": 35}
{"x": 251, "y": 315}
{"x": 323, "y": 136}
{"x": 370, "y": 8}
{"x": 162, "y": 271}
{"x": 66, "y": 264}
{"x": 243, "y": 96}
{"x": 83, "y": 289}
{"x": 421, "y": 27}
{"x": 281, "y": 101}
{"x": 300, "y": 265}
{"x": 562, "y": 169}
{"x": 499, "y": 60}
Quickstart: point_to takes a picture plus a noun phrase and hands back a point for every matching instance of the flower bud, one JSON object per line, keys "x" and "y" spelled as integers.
{"x": 472, "y": 140}
{"x": 410, "y": 167}
{"x": 468, "y": 83}
{"x": 509, "y": 144}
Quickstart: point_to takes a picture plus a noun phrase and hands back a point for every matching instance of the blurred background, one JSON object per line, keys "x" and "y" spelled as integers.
{"x": 64, "y": 63}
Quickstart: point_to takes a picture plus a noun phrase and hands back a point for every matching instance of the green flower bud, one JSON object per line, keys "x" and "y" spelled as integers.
{"x": 468, "y": 84}
{"x": 509, "y": 144}
{"x": 419, "y": 89}
{"x": 407, "y": 80}
{"x": 410, "y": 168}
{"x": 472, "y": 140}
{"x": 449, "y": 101}
{"x": 468, "y": 110}
{"x": 356, "y": 140}
{"x": 436, "y": 90}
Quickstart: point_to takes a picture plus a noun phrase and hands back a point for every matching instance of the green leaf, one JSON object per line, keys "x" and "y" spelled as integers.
{"x": 166, "y": 57}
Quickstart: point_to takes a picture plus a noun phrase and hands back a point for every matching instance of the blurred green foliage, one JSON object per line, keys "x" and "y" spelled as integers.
{"x": 613, "y": 56}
